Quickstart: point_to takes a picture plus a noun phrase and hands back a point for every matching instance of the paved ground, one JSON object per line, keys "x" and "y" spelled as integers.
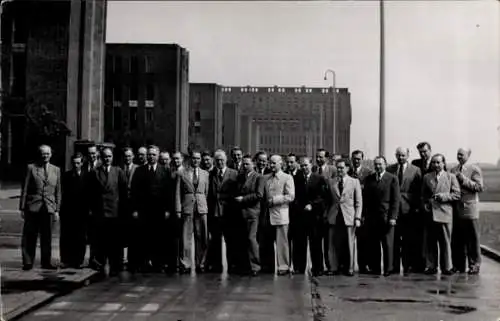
{"x": 215, "y": 297}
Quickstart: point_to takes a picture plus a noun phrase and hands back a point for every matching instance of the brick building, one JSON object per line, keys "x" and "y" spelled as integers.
{"x": 205, "y": 116}
{"x": 286, "y": 119}
{"x": 147, "y": 95}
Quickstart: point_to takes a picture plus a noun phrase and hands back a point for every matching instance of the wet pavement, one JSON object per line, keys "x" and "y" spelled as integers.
{"x": 222, "y": 297}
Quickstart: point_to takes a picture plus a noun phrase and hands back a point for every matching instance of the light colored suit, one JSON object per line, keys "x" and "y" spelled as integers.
{"x": 471, "y": 184}
{"x": 340, "y": 231}
{"x": 191, "y": 201}
{"x": 189, "y": 198}
{"x": 280, "y": 191}
{"x": 349, "y": 204}
{"x": 39, "y": 190}
{"x": 439, "y": 217}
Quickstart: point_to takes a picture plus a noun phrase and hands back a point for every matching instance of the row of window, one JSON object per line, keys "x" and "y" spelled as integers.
{"x": 115, "y": 118}
{"x": 132, "y": 92}
{"x": 285, "y": 140}
{"x": 120, "y": 64}
{"x": 279, "y": 90}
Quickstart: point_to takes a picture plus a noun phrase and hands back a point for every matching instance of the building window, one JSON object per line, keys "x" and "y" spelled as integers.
{"x": 117, "y": 64}
{"x": 134, "y": 65}
{"x": 149, "y": 116}
{"x": 117, "y": 118}
{"x": 132, "y": 93}
{"x": 133, "y": 117}
{"x": 197, "y": 116}
{"x": 150, "y": 92}
{"x": 147, "y": 64}
{"x": 117, "y": 96}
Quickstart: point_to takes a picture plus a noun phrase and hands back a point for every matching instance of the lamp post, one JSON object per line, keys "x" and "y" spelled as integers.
{"x": 381, "y": 131}
{"x": 334, "y": 118}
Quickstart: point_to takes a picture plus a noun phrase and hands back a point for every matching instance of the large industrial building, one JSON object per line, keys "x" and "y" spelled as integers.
{"x": 147, "y": 95}
{"x": 286, "y": 119}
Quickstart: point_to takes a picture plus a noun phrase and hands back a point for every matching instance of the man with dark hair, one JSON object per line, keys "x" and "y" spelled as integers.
{"x": 381, "y": 199}
{"x": 236, "y": 158}
{"x": 322, "y": 167}
{"x": 207, "y": 162}
{"x": 409, "y": 230}
{"x": 357, "y": 170}
{"x": 141, "y": 156}
{"x": 39, "y": 205}
{"x": 424, "y": 163}
{"x": 74, "y": 214}
{"x": 164, "y": 159}
{"x": 249, "y": 197}
{"x": 108, "y": 190}
{"x": 261, "y": 163}
{"x": 153, "y": 196}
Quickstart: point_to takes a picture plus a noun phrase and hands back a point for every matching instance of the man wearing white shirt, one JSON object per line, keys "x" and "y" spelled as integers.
{"x": 279, "y": 192}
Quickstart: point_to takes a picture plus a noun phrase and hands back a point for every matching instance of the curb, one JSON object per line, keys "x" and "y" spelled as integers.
{"x": 490, "y": 253}
{"x": 318, "y": 308}
{"x": 48, "y": 298}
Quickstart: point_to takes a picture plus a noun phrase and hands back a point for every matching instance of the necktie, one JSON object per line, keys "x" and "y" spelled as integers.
{"x": 127, "y": 172}
{"x": 195, "y": 178}
{"x": 460, "y": 168}
{"x": 221, "y": 175}
{"x": 320, "y": 171}
{"x": 379, "y": 177}
{"x": 341, "y": 185}
{"x": 45, "y": 172}
{"x": 400, "y": 174}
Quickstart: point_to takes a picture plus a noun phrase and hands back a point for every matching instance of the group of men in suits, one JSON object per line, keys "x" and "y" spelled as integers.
{"x": 267, "y": 211}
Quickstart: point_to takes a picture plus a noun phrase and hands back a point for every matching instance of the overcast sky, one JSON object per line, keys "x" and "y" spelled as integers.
{"x": 442, "y": 59}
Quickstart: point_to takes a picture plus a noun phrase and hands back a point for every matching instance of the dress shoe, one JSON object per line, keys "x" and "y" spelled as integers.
{"x": 448, "y": 272}
{"x": 349, "y": 273}
{"x": 473, "y": 270}
{"x": 387, "y": 273}
{"x": 430, "y": 271}
{"x": 299, "y": 272}
{"x": 27, "y": 267}
{"x": 185, "y": 271}
{"x": 457, "y": 270}
{"x": 49, "y": 267}
{"x": 254, "y": 273}
{"x": 283, "y": 272}
{"x": 200, "y": 270}
{"x": 332, "y": 273}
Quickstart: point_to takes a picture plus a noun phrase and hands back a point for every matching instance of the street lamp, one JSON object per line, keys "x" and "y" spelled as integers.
{"x": 334, "y": 118}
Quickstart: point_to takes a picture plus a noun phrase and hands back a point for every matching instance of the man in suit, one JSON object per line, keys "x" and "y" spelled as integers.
{"x": 248, "y": 198}
{"x": 424, "y": 163}
{"x": 108, "y": 188}
{"x": 207, "y": 162}
{"x": 164, "y": 159}
{"x": 153, "y": 196}
{"x": 409, "y": 230}
{"x": 222, "y": 189}
{"x": 39, "y": 205}
{"x": 343, "y": 214}
{"x": 129, "y": 229}
{"x": 261, "y": 163}
{"x": 465, "y": 236}
{"x": 92, "y": 163}
{"x": 440, "y": 190}
{"x": 74, "y": 214}
{"x": 322, "y": 167}
{"x": 279, "y": 192}
{"x": 381, "y": 199}
{"x": 236, "y": 158}
{"x": 191, "y": 195}
{"x": 310, "y": 194}
{"x": 362, "y": 242}
{"x": 296, "y": 226}
{"x": 142, "y": 156}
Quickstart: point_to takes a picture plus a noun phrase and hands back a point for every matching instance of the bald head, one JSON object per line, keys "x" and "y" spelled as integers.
{"x": 275, "y": 163}
{"x": 463, "y": 155}
{"x": 45, "y": 153}
{"x": 402, "y": 155}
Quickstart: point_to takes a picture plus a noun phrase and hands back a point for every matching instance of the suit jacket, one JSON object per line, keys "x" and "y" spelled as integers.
{"x": 234, "y": 166}
{"x": 471, "y": 184}
{"x": 409, "y": 188}
{"x": 188, "y": 197}
{"x": 295, "y": 206}
{"x": 267, "y": 171}
{"x": 349, "y": 203}
{"x": 422, "y": 165}
{"x": 448, "y": 187}
{"x": 153, "y": 194}
{"x": 222, "y": 192}
{"x": 381, "y": 198}
{"x": 281, "y": 190}
{"x": 313, "y": 192}
{"x": 251, "y": 187}
{"x": 75, "y": 194}
{"x": 108, "y": 191}
{"x": 329, "y": 171}
{"x": 364, "y": 172}
{"x": 39, "y": 191}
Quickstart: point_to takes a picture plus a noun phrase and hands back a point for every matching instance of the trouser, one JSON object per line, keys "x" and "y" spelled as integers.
{"x": 275, "y": 234}
{"x": 266, "y": 237}
{"x": 73, "y": 242}
{"x": 297, "y": 238}
{"x": 408, "y": 234}
{"x": 465, "y": 244}
{"x": 438, "y": 235}
{"x": 214, "y": 255}
{"x": 363, "y": 247}
{"x": 234, "y": 231}
{"x": 108, "y": 243}
{"x": 196, "y": 223}
{"x": 380, "y": 233}
{"x": 37, "y": 223}
{"x": 252, "y": 224}
{"x": 316, "y": 235}
{"x": 340, "y": 252}
{"x": 92, "y": 227}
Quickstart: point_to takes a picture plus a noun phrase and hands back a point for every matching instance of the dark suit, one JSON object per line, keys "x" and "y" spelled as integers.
{"x": 328, "y": 171}
{"x": 74, "y": 217}
{"x": 221, "y": 218}
{"x": 251, "y": 188}
{"x": 425, "y": 167}
{"x": 310, "y": 191}
{"x": 381, "y": 203}
{"x": 129, "y": 228}
{"x": 409, "y": 231}
{"x": 108, "y": 191}
{"x": 296, "y": 226}
{"x": 153, "y": 196}
{"x": 40, "y": 199}
{"x": 191, "y": 194}
{"x": 362, "y": 237}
